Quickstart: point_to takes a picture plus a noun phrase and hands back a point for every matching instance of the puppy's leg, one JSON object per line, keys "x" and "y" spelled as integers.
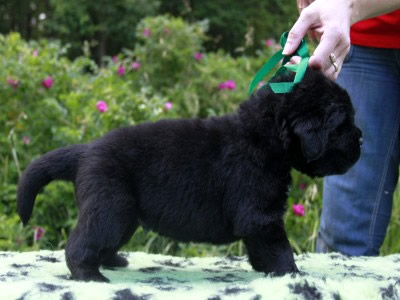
{"x": 113, "y": 259}
{"x": 269, "y": 250}
{"x": 106, "y": 215}
{"x": 82, "y": 259}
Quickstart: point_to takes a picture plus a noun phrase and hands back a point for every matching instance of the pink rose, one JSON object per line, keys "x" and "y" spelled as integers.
{"x": 198, "y": 56}
{"x": 222, "y": 86}
{"x": 298, "y": 209}
{"x": 135, "y": 65}
{"x": 101, "y": 106}
{"x": 35, "y": 53}
{"x": 230, "y": 85}
{"x": 13, "y": 83}
{"x": 38, "y": 233}
{"x": 47, "y": 83}
{"x": 121, "y": 70}
{"x": 147, "y": 32}
{"x": 168, "y": 106}
{"x": 227, "y": 85}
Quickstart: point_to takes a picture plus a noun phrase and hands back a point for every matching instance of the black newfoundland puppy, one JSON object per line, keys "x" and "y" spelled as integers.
{"x": 214, "y": 180}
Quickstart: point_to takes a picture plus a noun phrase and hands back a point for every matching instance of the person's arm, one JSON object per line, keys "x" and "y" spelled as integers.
{"x": 365, "y": 9}
{"x": 330, "y": 21}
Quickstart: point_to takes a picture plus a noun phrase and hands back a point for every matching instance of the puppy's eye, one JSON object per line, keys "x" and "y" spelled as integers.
{"x": 341, "y": 128}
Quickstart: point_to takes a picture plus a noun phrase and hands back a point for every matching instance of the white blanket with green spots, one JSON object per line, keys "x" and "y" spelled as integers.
{"x": 44, "y": 275}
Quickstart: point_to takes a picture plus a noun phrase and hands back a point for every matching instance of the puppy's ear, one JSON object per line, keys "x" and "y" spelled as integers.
{"x": 313, "y": 132}
{"x": 312, "y": 138}
{"x": 336, "y": 117}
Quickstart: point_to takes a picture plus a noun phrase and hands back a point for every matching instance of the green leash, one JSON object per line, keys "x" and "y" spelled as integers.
{"x": 300, "y": 69}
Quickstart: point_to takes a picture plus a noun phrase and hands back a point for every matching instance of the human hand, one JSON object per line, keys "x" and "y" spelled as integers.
{"x": 330, "y": 22}
{"x": 302, "y": 4}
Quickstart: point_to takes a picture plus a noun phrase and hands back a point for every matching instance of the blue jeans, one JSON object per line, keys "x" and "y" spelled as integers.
{"x": 357, "y": 205}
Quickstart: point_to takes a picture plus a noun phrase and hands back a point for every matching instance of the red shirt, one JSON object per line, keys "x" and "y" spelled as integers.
{"x": 379, "y": 32}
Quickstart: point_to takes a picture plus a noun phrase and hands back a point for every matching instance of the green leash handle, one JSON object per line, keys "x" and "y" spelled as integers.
{"x": 300, "y": 69}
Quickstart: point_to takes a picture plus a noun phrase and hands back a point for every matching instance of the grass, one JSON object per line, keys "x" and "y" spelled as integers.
{"x": 391, "y": 244}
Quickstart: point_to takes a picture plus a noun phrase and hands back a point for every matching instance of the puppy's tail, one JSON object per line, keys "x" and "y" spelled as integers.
{"x": 59, "y": 164}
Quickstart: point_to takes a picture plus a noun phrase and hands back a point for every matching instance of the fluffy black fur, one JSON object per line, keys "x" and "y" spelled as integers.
{"x": 214, "y": 180}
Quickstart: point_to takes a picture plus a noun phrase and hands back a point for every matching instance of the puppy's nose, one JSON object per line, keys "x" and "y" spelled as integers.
{"x": 360, "y": 140}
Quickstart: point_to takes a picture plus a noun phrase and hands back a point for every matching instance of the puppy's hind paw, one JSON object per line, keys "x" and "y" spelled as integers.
{"x": 90, "y": 276}
{"x": 115, "y": 261}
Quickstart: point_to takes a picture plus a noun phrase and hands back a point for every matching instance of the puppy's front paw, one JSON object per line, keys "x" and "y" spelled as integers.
{"x": 283, "y": 269}
{"x": 276, "y": 266}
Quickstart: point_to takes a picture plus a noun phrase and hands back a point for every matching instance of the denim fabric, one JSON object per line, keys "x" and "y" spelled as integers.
{"x": 357, "y": 205}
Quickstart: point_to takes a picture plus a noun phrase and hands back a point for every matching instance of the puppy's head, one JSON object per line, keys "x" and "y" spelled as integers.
{"x": 316, "y": 121}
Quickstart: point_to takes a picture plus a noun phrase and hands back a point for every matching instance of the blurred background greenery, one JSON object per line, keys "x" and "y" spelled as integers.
{"x": 70, "y": 71}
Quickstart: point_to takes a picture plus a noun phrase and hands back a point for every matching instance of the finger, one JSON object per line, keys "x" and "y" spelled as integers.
{"x": 326, "y": 67}
{"x": 299, "y": 30}
{"x": 295, "y": 60}
{"x": 331, "y": 39}
{"x": 330, "y": 71}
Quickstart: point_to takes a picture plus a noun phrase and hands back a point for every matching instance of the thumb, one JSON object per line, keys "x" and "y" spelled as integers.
{"x": 298, "y": 31}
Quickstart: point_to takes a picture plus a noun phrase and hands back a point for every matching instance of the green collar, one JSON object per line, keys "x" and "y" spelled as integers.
{"x": 300, "y": 69}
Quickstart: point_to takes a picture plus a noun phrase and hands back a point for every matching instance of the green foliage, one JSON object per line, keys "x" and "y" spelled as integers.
{"x": 237, "y": 24}
{"x": 35, "y": 120}
{"x": 108, "y": 25}
{"x": 166, "y": 50}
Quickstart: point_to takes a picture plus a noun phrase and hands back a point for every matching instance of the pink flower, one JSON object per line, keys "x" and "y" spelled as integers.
{"x": 38, "y": 233}
{"x": 115, "y": 59}
{"x": 135, "y": 65}
{"x": 302, "y": 186}
{"x": 222, "y": 86}
{"x": 26, "y": 140}
{"x": 101, "y": 106}
{"x": 227, "y": 85}
{"x": 35, "y": 53}
{"x": 168, "y": 106}
{"x": 198, "y": 56}
{"x": 147, "y": 32}
{"x": 298, "y": 209}
{"x": 48, "y": 82}
{"x": 121, "y": 70}
{"x": 230, "y": 85}
{"x": 269, "y": 42}
{"x": 13, "y": 82}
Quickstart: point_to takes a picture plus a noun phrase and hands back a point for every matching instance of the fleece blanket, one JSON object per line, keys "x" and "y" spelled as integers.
{"x": 44, "y": 275}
